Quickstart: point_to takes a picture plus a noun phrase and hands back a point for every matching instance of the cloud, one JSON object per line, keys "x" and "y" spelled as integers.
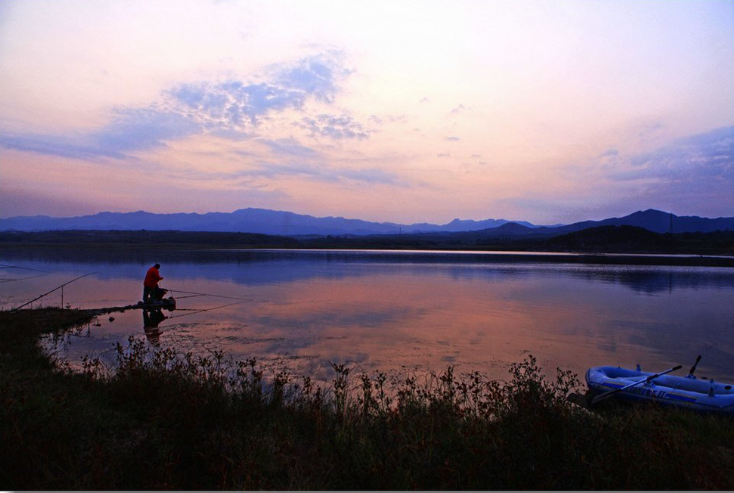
{"x": 609, "y": 153}
{"x": 131, "y": 130}
{"x": 648, "y": 129}
{"x": 388, "y": 119}
{"x": 291, "y": 158}
{"x": 232, "y": 104}
{"x": 690, "y": 176}
{"x": 56, "y": 146}
{"x": 144, "y": 128}
{"x": 693, "y": 174}
{"x": 459, "y": 109}
{"x": 290, "y": 148}
{"x": 319, "y": 172}
{"x": 335, "y": 127}
{"x": 696, "y": 160}
{"x": 317, "y": 75}
{"x": 370, "y": 175}
{"x": 230, "y": 108}
{"x": 453, "y": 139}
{"x": 24, "y": 201}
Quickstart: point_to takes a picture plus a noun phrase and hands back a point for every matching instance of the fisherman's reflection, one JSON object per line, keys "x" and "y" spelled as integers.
{"x": 151, "y": 319}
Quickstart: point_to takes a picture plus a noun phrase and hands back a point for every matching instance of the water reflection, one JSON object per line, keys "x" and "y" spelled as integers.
{"x": 283, "y": 266}
{"x": 380, "y": 312}
{"x": 151, "y": 321}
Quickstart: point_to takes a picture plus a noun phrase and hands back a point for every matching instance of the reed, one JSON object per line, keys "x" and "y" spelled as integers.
{"x": 165, "y": 420}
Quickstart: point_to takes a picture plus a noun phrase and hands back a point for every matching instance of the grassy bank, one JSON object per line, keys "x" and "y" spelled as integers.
{"x": 166, "y": 420}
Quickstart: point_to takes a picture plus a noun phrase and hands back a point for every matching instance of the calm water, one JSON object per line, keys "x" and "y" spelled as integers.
{"x": 396, "y": 312}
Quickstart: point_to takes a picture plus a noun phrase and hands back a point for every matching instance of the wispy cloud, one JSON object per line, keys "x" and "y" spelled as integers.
{"x": 290, "y": 148}
{"x": 458, "y": 110}
{"x": 335, "y": 127}
{"x": 319, "y": 172}
{"x": 57, "y": 146}
{"x": 131, "y": 130}
{"x": 691, "y": 174}
{"x": 290, "y": 158}
{"x": 694, "y": 160}
{"x": 371, "y": 176}
{"x": 609, "y": 153}
{"x": 143, "y": 128}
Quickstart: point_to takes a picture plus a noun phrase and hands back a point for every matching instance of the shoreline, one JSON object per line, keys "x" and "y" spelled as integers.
{"x": 416, "y": 255}
{"x": 167, "y": 421}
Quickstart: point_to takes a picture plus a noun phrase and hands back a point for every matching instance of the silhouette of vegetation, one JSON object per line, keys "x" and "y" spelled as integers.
{"x": 614, "y": 239}
{"x": 603, "y": 239}
{"x": 163, "y": 420}
{"x": 143, "y": 239}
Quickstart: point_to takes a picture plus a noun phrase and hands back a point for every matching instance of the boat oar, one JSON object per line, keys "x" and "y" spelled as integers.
{"x": 610, "y": 393}
{"x": 693, "y": 368}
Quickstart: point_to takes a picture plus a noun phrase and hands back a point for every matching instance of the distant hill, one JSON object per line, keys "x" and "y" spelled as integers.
{"x": 659, "y": 222}
{"x": 650, "y": 221}
{"x": 269, "y": 222}
{"x": 249, "y": 220}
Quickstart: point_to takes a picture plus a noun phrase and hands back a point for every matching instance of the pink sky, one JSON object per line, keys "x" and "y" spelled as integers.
{"x": 386, "y": 111}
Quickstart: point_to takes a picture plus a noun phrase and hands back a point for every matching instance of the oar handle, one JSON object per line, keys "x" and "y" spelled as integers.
{"x": 653, "y": 377}
{"x": 693, "y": 368}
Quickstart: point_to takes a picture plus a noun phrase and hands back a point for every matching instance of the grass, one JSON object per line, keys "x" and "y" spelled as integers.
{"x": 164, "y": 420}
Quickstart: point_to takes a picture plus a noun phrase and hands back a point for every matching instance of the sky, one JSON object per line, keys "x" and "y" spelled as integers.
{"x": 549, "y": 111}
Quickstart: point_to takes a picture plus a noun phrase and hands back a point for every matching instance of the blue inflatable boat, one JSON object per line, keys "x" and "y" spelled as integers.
{"x": 689, "y": 392}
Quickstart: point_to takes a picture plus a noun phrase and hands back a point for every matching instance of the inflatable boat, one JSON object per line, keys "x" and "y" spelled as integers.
{"x": 689, "y": 392}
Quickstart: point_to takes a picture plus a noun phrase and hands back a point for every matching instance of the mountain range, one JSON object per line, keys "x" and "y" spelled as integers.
{"x": 283, "y": 223}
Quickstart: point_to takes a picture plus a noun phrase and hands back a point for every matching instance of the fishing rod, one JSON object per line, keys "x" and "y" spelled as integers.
{"x": 22, "y": 278}
{"x": 208, "y": 294}
{"x": 54, "y": 289}
{"x": 24, "y": 268}
{"x": 8, "y": 266}
{"x": 185, "y": 297}
{"x": 207, "y": 309}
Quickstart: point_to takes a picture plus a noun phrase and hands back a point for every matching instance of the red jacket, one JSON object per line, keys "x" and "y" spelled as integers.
{"x": 152, "y": 277}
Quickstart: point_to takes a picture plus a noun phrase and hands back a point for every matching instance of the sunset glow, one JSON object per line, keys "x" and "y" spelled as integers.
{"x": 402, "y": 111}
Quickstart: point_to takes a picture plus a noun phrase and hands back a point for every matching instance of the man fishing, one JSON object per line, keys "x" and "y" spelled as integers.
{"x": 151, "y": 291}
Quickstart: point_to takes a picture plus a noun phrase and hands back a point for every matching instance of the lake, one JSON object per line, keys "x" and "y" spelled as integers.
{"x": 398, "y": 312}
